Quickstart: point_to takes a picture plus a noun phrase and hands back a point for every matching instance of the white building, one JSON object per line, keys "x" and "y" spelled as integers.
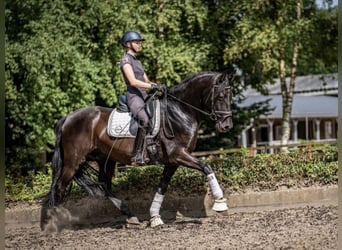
{"x": 314, "y": 112}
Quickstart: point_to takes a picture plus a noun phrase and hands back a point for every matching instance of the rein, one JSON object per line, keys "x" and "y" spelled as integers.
{"x": 211, "y": 115}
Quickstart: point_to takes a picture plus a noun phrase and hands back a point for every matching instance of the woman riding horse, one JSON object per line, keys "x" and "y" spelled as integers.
{"x": 136, "y": 81}
{"x": 82, "y": 136}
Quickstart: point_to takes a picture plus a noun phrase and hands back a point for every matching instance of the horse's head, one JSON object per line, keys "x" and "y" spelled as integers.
{"x": 214, "y": 90}
{"x": 221, "y": 98}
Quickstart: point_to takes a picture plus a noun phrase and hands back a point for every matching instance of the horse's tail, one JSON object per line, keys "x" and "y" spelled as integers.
{"x": 85, "y": 178}
{"x": 57, "y": 166}
{"x": 57, "y": 163}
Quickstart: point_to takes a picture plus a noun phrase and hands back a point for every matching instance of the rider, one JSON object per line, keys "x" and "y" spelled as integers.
{"x": 137, "y": 82}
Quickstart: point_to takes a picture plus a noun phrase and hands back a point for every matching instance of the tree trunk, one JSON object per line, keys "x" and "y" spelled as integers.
{"x": 285, "y": 125}
{"x": 287, "y": 93}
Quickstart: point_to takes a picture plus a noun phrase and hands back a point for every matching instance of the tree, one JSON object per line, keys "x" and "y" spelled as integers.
{"x": 266, "y": 42}
{"x": 51, "y": 70}
{"x": 62, "y": 55}
{"x": 319, "y": 52}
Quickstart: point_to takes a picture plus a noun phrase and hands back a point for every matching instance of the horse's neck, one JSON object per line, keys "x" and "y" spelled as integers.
{"x": 193, "y": 95}
{"x": 188, "y": 103}
{"x": 181, "y": 120}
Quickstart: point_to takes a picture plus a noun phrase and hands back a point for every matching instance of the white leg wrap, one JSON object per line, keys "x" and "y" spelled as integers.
{"x": 214, "y": 186}
{"x": 156, "y": 204}
{"x": 116, "y": 202}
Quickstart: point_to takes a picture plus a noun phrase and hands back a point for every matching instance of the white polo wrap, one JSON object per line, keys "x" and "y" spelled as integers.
{"x": 156, "y": 204}
{"x": 214, "y": 186}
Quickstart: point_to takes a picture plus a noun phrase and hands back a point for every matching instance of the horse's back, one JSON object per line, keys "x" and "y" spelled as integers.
{"x": 86, "y": 120}
{"x": 88, "y": 113}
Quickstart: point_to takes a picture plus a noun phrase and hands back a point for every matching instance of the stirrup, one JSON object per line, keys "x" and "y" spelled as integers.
{"x": 153, "y": 153}
{"x": 139, "y": 160}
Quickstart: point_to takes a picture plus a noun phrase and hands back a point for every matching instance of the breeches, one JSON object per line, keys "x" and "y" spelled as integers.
{"x": 137, "y": 106}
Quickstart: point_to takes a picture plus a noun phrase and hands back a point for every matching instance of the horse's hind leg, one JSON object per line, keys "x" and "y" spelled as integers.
{"x": 106, "y": 172}
{"x": 66, "y": 178}
{"x": 54, "y": 217}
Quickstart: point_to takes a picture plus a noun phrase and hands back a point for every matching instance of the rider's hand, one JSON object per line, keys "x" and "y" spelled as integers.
{"x": 158, "y": 87}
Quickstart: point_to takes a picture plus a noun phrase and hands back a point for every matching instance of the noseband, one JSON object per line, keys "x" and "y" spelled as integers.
{"x": 215, "y": 114}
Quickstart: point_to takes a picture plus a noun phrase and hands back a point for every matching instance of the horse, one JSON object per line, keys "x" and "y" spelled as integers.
{"x": 81, "y": 136}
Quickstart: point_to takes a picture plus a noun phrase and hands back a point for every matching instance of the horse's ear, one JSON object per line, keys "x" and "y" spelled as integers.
{"x": 230, "y": 74}
{"x": 226, "y": 76}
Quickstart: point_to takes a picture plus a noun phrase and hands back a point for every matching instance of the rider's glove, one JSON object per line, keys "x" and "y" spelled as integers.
{"x": 158, "y": 87}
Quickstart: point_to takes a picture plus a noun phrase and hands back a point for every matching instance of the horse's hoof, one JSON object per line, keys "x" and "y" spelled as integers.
{"x": 220, "y": 205}
{"x": 133, "y": 220}
{"x": 156, "y": 221}
{"x": 134, "y": 223}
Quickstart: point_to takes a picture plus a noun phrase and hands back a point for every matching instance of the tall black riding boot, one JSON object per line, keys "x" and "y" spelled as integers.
{"x": 138, "y": 150}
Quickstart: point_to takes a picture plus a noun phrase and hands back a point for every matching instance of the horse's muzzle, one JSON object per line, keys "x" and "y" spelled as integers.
{"x": 225, "y": 125}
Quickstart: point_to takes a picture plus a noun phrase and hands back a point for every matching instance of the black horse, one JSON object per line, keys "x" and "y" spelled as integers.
{"x": 82, "y": 135}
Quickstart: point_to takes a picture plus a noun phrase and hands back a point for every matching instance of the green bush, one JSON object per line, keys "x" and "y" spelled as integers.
{"x": 299, "y": 168}
{"x": 29, "y": 188}
{"x": 235, "y": 172}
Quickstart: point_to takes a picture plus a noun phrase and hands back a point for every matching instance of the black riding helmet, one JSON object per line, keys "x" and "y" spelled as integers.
{"x": 130, "y": 36}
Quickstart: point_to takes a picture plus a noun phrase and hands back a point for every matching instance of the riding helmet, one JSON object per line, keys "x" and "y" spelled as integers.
{"x": 131, "y": 36}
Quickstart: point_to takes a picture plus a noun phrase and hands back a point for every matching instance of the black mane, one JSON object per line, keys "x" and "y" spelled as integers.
{"x": 184, "y": 84}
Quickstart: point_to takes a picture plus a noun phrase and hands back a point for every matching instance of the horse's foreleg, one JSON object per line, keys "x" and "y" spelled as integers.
{"x": 220, "y": 204}
{"x": 188, "y": 160}
{"x": 159, "y": 196}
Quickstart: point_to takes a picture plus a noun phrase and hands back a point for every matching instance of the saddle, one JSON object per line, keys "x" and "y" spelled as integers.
{"x": 122, "y": 124}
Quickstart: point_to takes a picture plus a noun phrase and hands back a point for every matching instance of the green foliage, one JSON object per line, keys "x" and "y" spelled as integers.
{"x": 134, "y": 179}
{"x": 235, "y": 172}
{"x": 61, "y": 56}
{"x": 28, "y": 188}
{"x": 302, "y": 167}
{"x": 263, "y": 32}
{"x": 147, "y": 178}
{"x": 323, "y": 35}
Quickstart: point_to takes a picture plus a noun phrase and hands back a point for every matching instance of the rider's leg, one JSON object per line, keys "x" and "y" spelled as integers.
{"x": 138, "y": 149}
{"x": 137, "y": 107}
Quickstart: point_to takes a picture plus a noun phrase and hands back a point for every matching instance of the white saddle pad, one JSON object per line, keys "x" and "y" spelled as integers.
{"x": 119, "y": 122}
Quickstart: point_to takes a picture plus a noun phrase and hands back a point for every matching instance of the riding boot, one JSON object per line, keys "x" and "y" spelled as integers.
{"x": 138, "y": 150}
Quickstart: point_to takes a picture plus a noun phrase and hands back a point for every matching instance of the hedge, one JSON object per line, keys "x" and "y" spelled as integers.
{"x": 236, "y": 172}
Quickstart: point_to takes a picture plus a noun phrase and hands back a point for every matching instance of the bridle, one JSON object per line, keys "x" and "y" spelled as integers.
{"x": 214, "y": 114}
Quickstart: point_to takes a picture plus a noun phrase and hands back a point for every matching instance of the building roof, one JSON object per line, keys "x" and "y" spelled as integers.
{"x": 315, "y": 96}
{"x": 302, "y": 106}
{"x": 324, "y": 84}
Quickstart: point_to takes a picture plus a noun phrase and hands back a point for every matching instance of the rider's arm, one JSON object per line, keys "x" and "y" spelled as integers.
{"x": 128, "y": 71}
{"x": 146, "y": 78}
